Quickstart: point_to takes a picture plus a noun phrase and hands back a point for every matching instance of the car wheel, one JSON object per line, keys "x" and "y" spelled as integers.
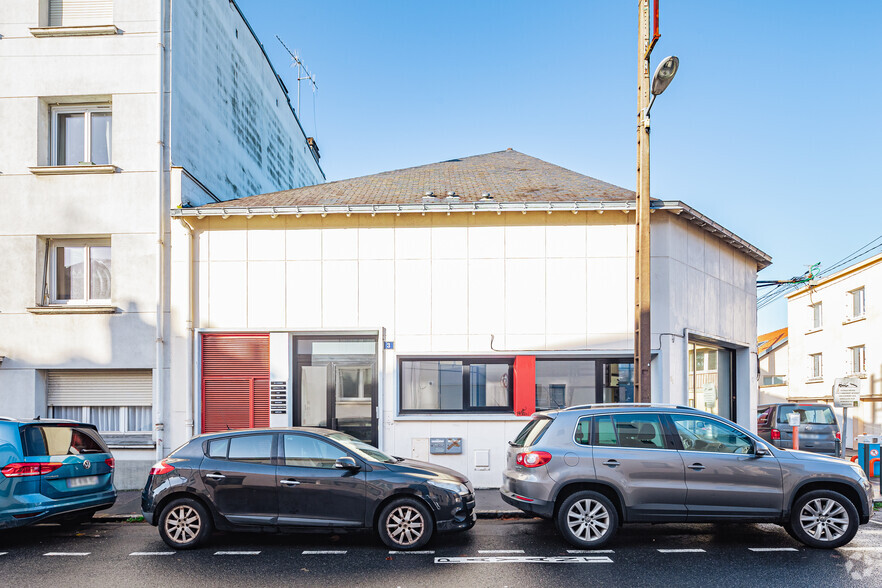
{"x": 823, "y": 519}
{"x": 587, "y": 519}
{"x": 184, "y": 523}
{"x": 405, "y": 524}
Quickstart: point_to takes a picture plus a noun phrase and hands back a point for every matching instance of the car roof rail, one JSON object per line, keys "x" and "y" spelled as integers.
{"x": 625, "y": 404}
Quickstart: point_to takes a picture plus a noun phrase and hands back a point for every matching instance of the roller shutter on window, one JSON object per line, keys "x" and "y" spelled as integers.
{"x": 73, "y": 13}
{"x": 235, "y": 381}
{"x": 99, "y": 388}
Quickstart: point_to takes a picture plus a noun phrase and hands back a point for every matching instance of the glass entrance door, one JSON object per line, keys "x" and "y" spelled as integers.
{"x": 336, "y": 384}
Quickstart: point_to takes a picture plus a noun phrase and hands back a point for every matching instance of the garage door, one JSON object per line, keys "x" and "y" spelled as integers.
{"x": 235, "y": 381}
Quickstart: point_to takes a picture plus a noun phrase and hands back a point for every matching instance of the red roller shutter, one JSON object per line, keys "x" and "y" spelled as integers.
{"x": 235, "y": 381}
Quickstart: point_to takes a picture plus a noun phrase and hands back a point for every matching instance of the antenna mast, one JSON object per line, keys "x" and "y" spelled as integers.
{"x": 301, "y": 69}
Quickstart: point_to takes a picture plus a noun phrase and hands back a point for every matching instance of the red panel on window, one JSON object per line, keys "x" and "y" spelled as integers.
{"x": 524, "y": 385}
{"x": 235, "y": 381}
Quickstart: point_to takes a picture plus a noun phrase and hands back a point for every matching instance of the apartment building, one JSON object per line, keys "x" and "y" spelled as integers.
{"x": 113, "y": 113}
{"x": 834, "y": 329}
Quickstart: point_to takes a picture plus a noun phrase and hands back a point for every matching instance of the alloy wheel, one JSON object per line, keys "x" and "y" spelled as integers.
{"x": 183, "y": 524}
{"x": 824, "y": 519}
{"x": 588, "y": 519}
{"x": 405, "y": 525}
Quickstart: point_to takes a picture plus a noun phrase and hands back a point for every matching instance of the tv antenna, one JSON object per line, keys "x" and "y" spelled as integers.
{"x": 301, "y": 69}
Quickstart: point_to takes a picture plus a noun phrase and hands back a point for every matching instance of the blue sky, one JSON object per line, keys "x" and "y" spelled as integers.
{"x": 770, "y": 127}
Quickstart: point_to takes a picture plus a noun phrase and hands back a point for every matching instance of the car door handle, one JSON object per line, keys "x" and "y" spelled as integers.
{"x": 215, "y": 476}
{"x": 289, "y": 483}
{"x": 611, "y": 463}
{"x": 696, "y": 466}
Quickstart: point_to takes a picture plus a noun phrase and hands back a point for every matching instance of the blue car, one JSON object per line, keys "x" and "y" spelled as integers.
{"x": 52, "y": 471}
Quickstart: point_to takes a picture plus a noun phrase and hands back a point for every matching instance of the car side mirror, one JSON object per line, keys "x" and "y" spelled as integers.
{"x": 761, "y": 451}
{"x": 346, "y": 463}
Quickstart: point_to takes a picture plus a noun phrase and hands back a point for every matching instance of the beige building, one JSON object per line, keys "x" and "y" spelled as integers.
{"x": 114, "y": 112}
{"x": 835, "y": 331}
{"x": 772, "y": 356}
{"x": 431, "y": 310}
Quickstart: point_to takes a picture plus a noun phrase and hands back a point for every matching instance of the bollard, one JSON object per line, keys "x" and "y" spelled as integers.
{"x": 794, "y": 420}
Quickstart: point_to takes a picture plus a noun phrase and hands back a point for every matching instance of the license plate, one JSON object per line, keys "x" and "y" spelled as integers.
{"x": 82, "y": 481}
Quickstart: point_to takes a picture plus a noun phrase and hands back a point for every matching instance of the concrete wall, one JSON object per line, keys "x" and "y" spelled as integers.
{"x": 439, "y": 284}
{"x": 240, "y": 138}
{"x": 837, "y": 334}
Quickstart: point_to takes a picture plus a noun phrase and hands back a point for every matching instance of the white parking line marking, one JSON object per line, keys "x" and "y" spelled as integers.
{"x": 877, "y": 522}
{"x": 870, "y": 532}
{"x": 237, "y": 553}
{"x": 324, "y": 553}
{"x": 153, "y": 553}
{"x": 681, "y": 550}
{"x": 59, "y": 553}
{"x": 590, "y": 551}
{"x": 562, "y": 559}
{"x": 500, "y": 551}
{"x": 773, "y": 549}
{"x": 427, "y": 552}
{"x": 3, "y": 552}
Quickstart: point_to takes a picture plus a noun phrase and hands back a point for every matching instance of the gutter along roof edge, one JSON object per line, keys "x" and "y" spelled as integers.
{"x": 675, "y": 206}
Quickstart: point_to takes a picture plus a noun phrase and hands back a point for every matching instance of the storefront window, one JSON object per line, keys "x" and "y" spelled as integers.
{"x": 571, "y": 382}
{"x": 710, "y": 380}
{"x": 456, "y": 385}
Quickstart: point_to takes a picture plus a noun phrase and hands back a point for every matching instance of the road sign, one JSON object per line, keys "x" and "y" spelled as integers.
{"x": 847, "y": 392}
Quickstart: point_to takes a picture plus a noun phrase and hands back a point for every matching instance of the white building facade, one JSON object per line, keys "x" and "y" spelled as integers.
{"x": 773, "y": 358}
{"x": 114, "y": 112}
{"x": 834, "y": 332}
{"x": 431, "y": 311}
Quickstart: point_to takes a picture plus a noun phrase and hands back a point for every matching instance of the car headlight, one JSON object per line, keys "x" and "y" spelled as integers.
{"x": 454, "y": 487}
{"x": 859, "y": 471}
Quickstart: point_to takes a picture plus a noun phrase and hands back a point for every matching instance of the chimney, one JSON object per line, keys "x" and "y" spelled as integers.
{"x": 314, "y": 147}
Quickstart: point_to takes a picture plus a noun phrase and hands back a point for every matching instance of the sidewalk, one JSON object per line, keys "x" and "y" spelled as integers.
{"x": 489, "y": 505}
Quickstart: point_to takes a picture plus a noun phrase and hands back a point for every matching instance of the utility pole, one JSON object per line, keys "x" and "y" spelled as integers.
{"x": 642, "y": 328}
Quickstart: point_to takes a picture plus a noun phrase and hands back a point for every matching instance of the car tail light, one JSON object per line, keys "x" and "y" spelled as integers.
{"x": 161, "y": 467}
{"x": 776, "y": 435}
{"x": 533, "y": 459}
{"x": 838, "y": 436}
{"x": 19, "y": 470}
{"x": 110, "y": 462}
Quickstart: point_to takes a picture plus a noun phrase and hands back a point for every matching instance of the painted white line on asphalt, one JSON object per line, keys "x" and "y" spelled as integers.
{"x": 237, "y": 553}
{"x": 324, "y": 553}
{"x": 870, "y": 532}
{"x": 561, "y": 559}
{"x": 681, "y": 550}
{"x": 500, "y": 551}
{"x": 59, "y": 553}
{"x": 427, "y": 552}
{"x": 877, "y": 522}
{"x": 3, "y": 552}
{"x": 153, "y": 553}
{"x": 590, "y": 551}
{"x": 773, "y": 549}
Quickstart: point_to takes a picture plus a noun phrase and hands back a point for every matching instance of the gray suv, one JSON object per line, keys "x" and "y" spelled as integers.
{"x": 591, "y": 468}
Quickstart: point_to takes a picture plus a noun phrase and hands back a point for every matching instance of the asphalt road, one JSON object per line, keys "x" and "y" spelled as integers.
{"x": 517, "y": 552}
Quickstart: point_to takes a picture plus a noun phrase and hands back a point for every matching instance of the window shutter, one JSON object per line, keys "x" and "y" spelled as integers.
{"x": 235, "y": 381}
{"x": 100, "y": 388}
{"x": 73, "y": 13}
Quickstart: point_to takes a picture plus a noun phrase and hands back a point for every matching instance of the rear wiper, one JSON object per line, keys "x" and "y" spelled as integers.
{"x": 513, "y": 444}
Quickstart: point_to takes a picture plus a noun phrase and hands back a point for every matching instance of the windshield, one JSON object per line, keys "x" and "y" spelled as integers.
{"x": 360, "y": 448}
{"x": 808, "y": 415}
{"x": 531, "y": 433}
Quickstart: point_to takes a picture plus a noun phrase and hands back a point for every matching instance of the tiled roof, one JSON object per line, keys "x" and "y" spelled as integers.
{"x": 769, "y": 340}
{"x": 509, "y": 176}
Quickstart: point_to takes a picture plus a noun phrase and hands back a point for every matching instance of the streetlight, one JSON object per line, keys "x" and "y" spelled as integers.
{"x": 660, "y": 81}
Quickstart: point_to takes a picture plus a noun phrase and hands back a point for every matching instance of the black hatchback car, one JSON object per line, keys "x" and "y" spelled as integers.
{"x": 301, "y": 479}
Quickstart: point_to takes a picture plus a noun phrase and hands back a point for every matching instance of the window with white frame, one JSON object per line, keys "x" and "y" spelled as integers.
{"x": 857, "y": 359}
{"x": 79, "y": 271}
{"x": 72, "y": 13}
{"x": 81, "y": 135}
{"x": 108, "y": 419}
{"x": 816, "y": 366}
{"x": 857, "y": 303}
{"x": 817, "y": 315}
{"x": 117, "y": 402}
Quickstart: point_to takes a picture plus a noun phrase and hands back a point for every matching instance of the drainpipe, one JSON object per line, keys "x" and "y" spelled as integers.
{"x": 158, "y": 408}
{"x": 191, "y": 314}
